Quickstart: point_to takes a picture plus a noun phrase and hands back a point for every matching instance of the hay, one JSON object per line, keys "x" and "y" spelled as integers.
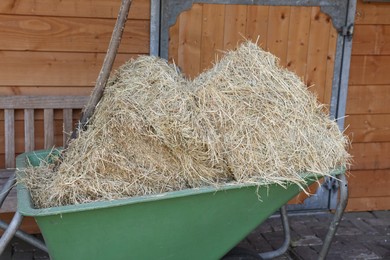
{"x": 244, "y": 121}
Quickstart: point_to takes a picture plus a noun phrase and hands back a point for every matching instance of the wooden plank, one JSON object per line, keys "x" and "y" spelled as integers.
{"x": 318, "y": 52}
{"x": 34, "y": 102}
{"x": 369, "y": 183}
{"x": 371, "y": 40}
{"x": 371, "y": 156}
{"x": 298, "y": 40}
{"x": 48, "y": 128}
{"x": 368, "y": 128}
{"x": 45, "y": 90}
{"x": 140, "y": 9}
{"x": 278, "y": 30}
{"x": 28, "y": 129}
{"x": 372, "y": 13}
{"x": 257, "y": 24}
{"x": 173, "y": 48}
{"x": 10, "y": 202}
{"x": 368, "y": 204}
{"x": 212, "y": 34}
{"x": 24, "y": 33}
{"x": 235, "y": 26}
{"x": 52, "y": 68}
{"x": 368, "y": 99}
{"x": 369, "y": 70}
{"x": 38, "y": 116}
{"x": 68, "y": 124}
{"x": 190, "y": 40}
{"x": 330, "y": 58}
{"x": 9, "y": 133}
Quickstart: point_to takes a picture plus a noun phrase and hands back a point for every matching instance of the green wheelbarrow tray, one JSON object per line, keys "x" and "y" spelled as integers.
{"x": 203, "y": 223}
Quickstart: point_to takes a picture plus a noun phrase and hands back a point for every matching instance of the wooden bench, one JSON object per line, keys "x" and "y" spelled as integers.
{"x": 30, "y": 105}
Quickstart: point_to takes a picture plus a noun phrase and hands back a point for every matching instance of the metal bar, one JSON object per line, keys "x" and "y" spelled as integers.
{"x": 10, "y": 231}
{"x": 154, "y": 27}
{"x": 26, "y": 237}
{"x": 7, "y": 187}
{"x": 337, "y": 217}
{"x": 287, "y": 237}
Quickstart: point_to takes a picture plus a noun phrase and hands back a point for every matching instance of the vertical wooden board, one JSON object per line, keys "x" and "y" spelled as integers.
{"x": 366, "y": 70}
{"x": 212, "y": 34}
{"x": 48, "y": 123}
{"x": 257, "y": 24}
{"x": 318, "y": 52}
{"x": 235, "y": 25}
{"x": 9, "y": 135}
{"x": 298, "y": 38}
{"x": 190, "y": 35}
{"x": 68, "y": 124}
{"x": 29, "y": 130}
{"x": 370, "y": 156}
{"x": 330, "y": 65}
{"x": 173, "y": 46}
{"x": 368, "y": 128}
{"x": 371, "y": 40}
{"x": 368, "y": 99}
{"x": 372, "y": 13}
{"x": 278, "y": 28}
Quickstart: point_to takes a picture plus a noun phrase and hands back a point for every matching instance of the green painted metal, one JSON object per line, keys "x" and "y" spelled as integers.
{"x": 200, "y": 223}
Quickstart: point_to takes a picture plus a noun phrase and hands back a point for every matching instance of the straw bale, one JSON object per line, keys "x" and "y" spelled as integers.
{"x": 246, "y": 120}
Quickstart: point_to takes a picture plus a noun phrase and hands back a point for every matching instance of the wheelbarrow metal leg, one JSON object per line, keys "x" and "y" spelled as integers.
{"x": 337, "y": 217}
{"x": 10, "y": 231}
{"x": 7, "y": 188}
{"x": 287, "y": 237}
{"x": 26, "y": 237}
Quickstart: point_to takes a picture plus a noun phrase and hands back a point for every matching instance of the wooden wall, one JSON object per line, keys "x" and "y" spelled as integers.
{"x": 55, "y": 47}
{"x": 368, "y": 108}
{"x": 304, "y": 40}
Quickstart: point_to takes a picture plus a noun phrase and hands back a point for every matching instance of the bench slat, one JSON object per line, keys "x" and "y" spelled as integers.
{"x": 68, "y": 124}
{"x": 9, "y": 131}
{"x": 29, "y": 130}
{"x": 42, "y": 102}
{"x": 48, "y": 122}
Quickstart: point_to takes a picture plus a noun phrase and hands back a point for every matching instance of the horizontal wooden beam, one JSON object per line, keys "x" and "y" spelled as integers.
{"x": 42, "y": 102}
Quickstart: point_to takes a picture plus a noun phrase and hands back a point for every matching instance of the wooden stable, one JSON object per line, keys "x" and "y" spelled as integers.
{"x": 56, "y": 48}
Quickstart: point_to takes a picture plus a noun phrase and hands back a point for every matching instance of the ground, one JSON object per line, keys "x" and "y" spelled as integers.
{"x": 361, "y": 235}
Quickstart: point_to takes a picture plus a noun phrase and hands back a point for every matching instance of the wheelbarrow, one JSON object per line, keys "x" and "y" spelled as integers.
{"x": 200, "y": 223}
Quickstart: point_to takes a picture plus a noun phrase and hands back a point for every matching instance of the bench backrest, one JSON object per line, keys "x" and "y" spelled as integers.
{"x": 29, "y": 104}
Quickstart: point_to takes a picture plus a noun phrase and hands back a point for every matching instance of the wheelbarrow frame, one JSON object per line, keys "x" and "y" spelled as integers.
{"x": 164, "y": 15}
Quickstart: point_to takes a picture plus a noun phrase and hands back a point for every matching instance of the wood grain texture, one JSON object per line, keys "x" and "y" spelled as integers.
{"x": 368, "y": 99}
{"x": 371, "y": 40}
{"x": 257, "y": 24}
{"x": 212, "y": 34}
{"x": 298, "y": 39}
{"x": 68, "y": 124}
{"x": 369, "y": 70}
{"x": 173, "y": 48}
{"x": 278, "y": 28}
{"x": 372, "y": 13}
{"x": 368, "y": 204}
{"x": 29, "y": 130}
{"x": 9, "y": 90}
{"x": 368, "y": 128}
{"x": 52, "y": 68}
{"x": 369, "y": 183}
{"x": 35, "y": 102}
{"x": 9, "y": 134}
{"x": 48, "y": 123}
{"x": 190, "y": 40}
{"x": 140, "y": 9}
{"x": 235, "y": 26}
{"x": 330, "y": 59}
{"x": 318, "y": 52}
{"x": 371, "y": 156}
{"x": 35, "y": 33}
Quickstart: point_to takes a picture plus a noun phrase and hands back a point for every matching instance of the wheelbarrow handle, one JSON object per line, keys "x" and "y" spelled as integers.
{"x": 105, "y": 70}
